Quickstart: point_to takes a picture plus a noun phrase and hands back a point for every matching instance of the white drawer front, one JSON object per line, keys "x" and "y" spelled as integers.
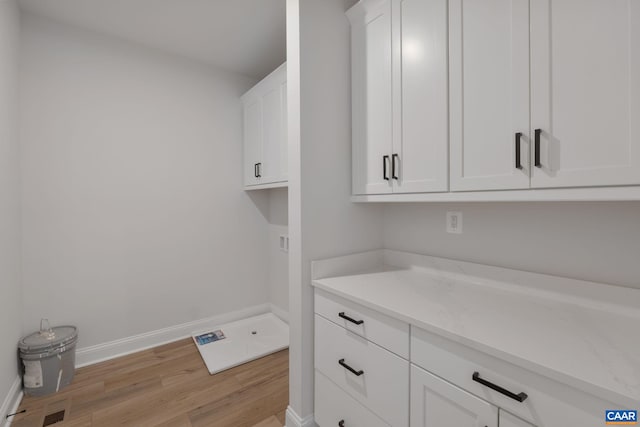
{"x": 333, "y": 405}
{"x": 383, "y": 387}
{"x": 385, "y": 331}
{"x": 548, "y": 403}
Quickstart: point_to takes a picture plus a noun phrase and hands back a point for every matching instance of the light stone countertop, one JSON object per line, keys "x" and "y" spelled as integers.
{"x": 589, "y": 340}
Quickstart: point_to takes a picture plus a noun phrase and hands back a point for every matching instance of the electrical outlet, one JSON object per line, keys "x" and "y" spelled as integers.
{"x": 284, "y": 243}
{"x": 454, "y": 222}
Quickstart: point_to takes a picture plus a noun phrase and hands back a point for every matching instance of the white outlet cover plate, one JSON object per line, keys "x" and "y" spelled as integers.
{"x": 454, "y": 222}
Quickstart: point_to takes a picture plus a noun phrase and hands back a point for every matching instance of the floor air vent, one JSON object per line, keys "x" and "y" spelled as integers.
{"x": 56, "y": 417}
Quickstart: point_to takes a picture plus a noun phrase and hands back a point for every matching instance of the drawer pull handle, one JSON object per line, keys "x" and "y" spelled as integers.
{"x": 518, "y": 138}
{"x": 350, "y": 319}
{"x": 520, "y": 397}
{"x": 385, "y": 161}
{"x": 537, "y": 134}
{"x": 393, "y": 166}
{"x": 350, "y": 369}
{"x": 341, "y": 423}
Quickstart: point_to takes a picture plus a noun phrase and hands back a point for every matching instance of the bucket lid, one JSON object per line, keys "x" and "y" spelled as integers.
{"x": 53, "y": 337}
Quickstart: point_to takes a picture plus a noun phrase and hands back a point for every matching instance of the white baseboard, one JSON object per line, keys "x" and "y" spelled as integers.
{"x": 294, "y": 420}
{"x": 110, "y": 350}
{"x": 283, "y": 315}
{"x": 11, "y": 402}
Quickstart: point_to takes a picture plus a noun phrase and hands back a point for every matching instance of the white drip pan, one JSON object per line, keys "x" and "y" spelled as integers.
{"x": 244, "y": 340}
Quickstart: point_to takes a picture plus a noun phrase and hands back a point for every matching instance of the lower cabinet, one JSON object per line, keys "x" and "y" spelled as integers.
{"x": 363, "y": 377}
{"x": 368, "y": 373}
{"x": 334, "y": 407}
{"x": 508, "y": 420}
{"x": 435, "y": 402}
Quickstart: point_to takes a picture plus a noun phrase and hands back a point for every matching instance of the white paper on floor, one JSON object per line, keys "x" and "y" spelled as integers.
{"x": 232, "y": 344}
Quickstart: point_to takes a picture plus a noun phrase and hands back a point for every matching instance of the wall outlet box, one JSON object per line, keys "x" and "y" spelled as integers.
{"x": 284, "y": 243}
{"x": 454, "y": 222}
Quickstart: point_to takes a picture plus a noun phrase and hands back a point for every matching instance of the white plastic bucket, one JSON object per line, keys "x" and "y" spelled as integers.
{"x": 48, "y": 359}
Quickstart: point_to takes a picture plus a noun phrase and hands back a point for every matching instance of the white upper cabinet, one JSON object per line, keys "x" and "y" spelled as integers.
{"x": 372, "y": 96}
{"x": 252, "y": 140}
{"x": 489, "y": 81}
{"x": 265, "y": 131}
{"x": 585, "y": 89}
{"x": 477, "y": 95}
{"x": 423, "y": 113}
{"x": 400, "y": 97}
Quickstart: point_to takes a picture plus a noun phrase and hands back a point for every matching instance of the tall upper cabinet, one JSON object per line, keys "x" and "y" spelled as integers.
{"x": 399, "y": 84}
{"x": 480, "y": 95}
{"x": 265, "y": 132}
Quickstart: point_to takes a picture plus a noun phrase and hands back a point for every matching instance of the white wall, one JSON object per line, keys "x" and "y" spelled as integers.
{"x": 590, "y": 241}
{"x": 322, "y": 220}
{"x": 134, "y": 213}
{"x": 278, "y": 260}
{"x": 10, "y": 291}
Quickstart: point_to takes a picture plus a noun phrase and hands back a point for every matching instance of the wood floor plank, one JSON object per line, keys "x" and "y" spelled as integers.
{"x": 272, "y": 421}
{"x": 282, "y": 417}
{"x": 168, "y": 386}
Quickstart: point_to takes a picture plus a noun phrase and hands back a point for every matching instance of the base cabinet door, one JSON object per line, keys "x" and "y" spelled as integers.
{"x": 508, "y": 420}
{"x": 335, "y": 408}
{"x": 437, "y": 403}
{"x": 585, "y": 89}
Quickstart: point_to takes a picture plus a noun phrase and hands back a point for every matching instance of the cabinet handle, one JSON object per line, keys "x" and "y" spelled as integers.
{"x": 518, "y": 138}
{"x": 537, "y": 148}
{"x": 341, "y": 423}
{"x": 350, "y": 369}
{"x": 255, "y": 170}
{"x": 350, "y": 319}
{"x": 393, "y": 166}
{"x": 385, "y": 162}
{"x": 520, "y": 397}
{"x": 259, "y": 171}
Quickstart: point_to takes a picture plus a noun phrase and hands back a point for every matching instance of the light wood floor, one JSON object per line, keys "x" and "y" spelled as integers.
{"x": 168, "y": 386}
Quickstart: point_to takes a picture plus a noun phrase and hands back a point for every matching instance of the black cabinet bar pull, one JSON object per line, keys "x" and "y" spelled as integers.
{"x": 385, "y": 162}
{"x": 393, "y": 166}
{"x": 341, "y": 423}
{"x": 350, "y": 319}
{"x": 259, "y": 175}
{"x": 518, "y": 163}
{"x": 350, "y": 369}
{"x": 520, "y": 397}
{"x": 537, "y": 148}
{"x": 255, "y": 170}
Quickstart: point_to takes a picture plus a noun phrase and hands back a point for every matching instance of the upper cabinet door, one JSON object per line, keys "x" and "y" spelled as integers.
{"x": 252, "y": 141}
{"x": 371, "y": 60}
{"x": 265, "y": 131}
{"x": 585, "y": 88}
{"x": 423, "y": 155}
{"x": 489, "y": 94}
{"x": 272, "y": 134}
{"x": 284, "y": 145}
{"x": 437, "y": 403}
